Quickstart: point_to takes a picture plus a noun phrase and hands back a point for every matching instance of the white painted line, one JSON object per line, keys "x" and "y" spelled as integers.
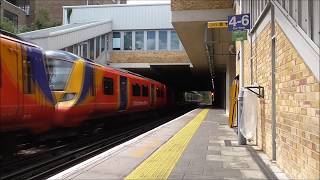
{"x": 107, "y": 154}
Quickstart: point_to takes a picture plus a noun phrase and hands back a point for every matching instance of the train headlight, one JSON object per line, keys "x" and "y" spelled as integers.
{"x": 68, "y": 96}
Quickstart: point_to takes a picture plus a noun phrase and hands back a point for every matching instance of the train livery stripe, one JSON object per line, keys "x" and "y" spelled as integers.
{"x": 39, "y": 74}
{"x": 86, "y": 82}
{"x": 160, "y": 164}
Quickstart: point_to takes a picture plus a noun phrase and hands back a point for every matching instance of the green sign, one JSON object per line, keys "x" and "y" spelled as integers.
{"x": 239, "y": 35}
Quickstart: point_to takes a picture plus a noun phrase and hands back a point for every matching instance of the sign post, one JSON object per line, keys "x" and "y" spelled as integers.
{"x": 238, "y": 25}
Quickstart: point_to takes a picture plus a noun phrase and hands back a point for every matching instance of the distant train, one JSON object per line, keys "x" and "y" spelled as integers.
{"x": 44, "y": 90}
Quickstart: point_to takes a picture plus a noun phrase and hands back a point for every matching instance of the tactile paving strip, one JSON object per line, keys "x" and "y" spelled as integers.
{"x": 160, "y": 164}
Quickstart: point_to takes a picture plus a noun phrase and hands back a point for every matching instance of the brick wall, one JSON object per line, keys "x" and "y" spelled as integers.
{"x": 297, "y": 104}
{"x": 22, "y": 18}
{"x": 150, "y": 57}
{"x": 178, "y": 5}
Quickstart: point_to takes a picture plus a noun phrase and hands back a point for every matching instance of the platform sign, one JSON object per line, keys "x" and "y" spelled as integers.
{"x": 239, "y": 35}
{"x": 238, "y": 22}
{"x": 217, "y": 24}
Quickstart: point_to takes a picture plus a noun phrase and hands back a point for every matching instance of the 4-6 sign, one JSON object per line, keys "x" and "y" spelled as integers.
{"x": 238, "y": 22}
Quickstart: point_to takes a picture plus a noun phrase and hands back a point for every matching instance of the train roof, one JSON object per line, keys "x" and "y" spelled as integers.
{"x": 59, "y": 54}
{"x": 16, "y": 38}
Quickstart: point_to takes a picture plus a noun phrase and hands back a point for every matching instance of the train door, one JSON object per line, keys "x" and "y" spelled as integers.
{"x": 91, "y": 74}
{"x": 123, "y": 93}
{"x": 32, "y": 100}
{"x": 9, "y": 91}
{"x": 153, "y": 97}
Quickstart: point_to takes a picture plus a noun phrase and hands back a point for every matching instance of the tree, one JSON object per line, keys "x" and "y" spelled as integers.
{"x": 43, "y": 20}
{"x": 7, "y": 25}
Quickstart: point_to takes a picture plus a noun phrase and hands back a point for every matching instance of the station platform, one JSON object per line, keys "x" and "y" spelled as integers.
{"x": 196, "y": 145}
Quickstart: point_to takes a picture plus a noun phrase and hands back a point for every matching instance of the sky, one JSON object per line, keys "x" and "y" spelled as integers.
{"x": 147, "y": 1}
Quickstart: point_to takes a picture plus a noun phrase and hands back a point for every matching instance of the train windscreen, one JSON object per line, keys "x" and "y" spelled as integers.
{"x": 58, "y": 72}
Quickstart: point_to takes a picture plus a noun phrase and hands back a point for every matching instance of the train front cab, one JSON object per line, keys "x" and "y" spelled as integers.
{"x": 26, "y": 102}
{"x": 71, "y": 80}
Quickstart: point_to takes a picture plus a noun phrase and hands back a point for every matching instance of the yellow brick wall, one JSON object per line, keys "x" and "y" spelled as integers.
{"x": 150, "y": 57}
{"x": 297, "y": 104}
{"x": 178, "y": 5}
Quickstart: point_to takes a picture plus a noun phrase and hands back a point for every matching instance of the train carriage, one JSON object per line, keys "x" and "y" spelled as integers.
{"x": 40, "y": 90}
{"x": 26, "y": 102}
{"x": 84, "y": 90}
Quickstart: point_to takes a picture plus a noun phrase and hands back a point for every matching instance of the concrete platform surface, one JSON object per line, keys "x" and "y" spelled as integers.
{"x": 197, "y": 145}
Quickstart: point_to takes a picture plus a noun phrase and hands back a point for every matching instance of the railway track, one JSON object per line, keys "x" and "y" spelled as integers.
{"x": 52, "y": 161}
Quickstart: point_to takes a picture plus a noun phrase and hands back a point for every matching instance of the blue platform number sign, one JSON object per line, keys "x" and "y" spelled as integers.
{"x": 238, "y": 22}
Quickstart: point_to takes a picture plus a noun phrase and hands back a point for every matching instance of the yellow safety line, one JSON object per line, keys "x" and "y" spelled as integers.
{"x": 160, "y": 164}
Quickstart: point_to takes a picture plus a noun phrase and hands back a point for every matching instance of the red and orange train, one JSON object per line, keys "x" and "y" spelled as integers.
{"x": 41, "y": 90}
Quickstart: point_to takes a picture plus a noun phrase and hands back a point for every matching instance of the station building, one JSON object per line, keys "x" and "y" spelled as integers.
{"x": 172, "y": 43}
{"x": 13, "y": 13}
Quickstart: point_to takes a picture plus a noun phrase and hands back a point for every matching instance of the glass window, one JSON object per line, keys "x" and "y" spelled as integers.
{"x": 11, "y": 17}
{"x": 58, "y": 72}
{"x": 97, "y": 47}
{"x": 75, "y": 49}
{"x": 128, "y": 41}
{"x": 162, "y": 40}
{"x": 174, "y": 41}
{"x": 139, "y": 40}
{"x": 107, "y": 86}
{"x": 85, "y": 50}
{"x": 116, "y": 45}
{"x": 151, "y": 41}
{"x": 145, "y": 91}
{"x": 136, "y": 90}
{"x": 27, "y": 83}
{"x": 69, "y": 49}
{"x": 91, "y": 49}
{"x": 103, "y": 42}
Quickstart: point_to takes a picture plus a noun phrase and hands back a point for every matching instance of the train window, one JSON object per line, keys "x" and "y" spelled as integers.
{"x": 107, "y": 86}
{"x": 58, "y": 72}
{"x": 136, "y": 90}
{"x": 27, "y": 73}
{"x": 158, "y": 92}
{"x": 145, "y": 91}
{"x": 161, "y": 93}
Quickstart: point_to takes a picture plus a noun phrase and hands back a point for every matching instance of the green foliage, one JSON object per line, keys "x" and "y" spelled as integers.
{"x": 23, "y": 29}
{"x": 7, "y": 25}
{"x": 43, "y": 20}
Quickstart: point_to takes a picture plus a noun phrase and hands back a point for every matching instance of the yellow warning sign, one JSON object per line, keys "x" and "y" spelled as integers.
{"x": 217, "y": 24}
